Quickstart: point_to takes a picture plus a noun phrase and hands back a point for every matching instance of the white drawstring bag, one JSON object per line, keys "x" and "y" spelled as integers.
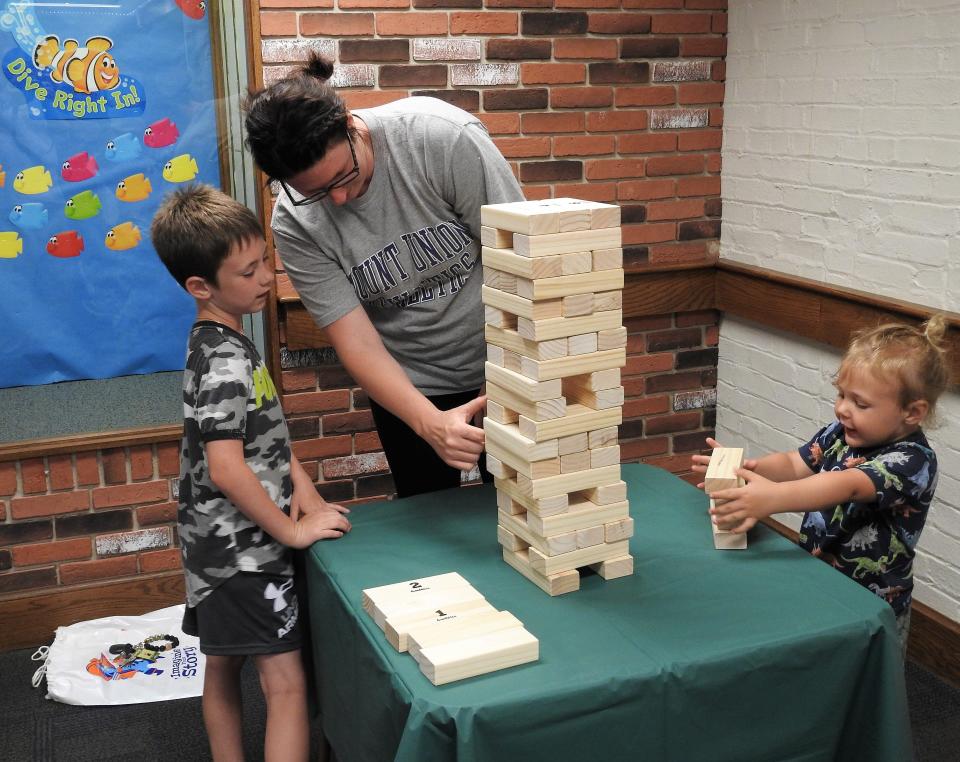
{"x": 122, "y": 660}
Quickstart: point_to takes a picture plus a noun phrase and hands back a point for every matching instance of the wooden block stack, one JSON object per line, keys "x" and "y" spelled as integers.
{"x": 552, "y": 294}
{"x": 449, "y": 627}
{"x": 722, "y": 474}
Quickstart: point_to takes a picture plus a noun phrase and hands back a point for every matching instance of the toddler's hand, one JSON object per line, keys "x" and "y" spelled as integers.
{"x": 739, "y": 509}
{"x": 699, "y": 463}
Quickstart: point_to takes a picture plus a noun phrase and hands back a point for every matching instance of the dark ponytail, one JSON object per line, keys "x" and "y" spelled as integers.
{"x": 291, "y": 124}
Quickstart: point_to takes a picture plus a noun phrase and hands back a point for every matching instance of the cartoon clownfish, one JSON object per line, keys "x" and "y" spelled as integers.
{"x": 88, "y": 69}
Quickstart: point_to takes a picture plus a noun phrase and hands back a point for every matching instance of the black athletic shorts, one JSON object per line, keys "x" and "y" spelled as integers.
{"x": 248, "y": 615}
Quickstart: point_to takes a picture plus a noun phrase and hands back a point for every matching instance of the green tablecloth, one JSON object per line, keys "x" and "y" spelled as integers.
{"x": 764, "y": 654}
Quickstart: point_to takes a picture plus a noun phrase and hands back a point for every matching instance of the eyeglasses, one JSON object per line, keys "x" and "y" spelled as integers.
{"x": 324, "y": 192}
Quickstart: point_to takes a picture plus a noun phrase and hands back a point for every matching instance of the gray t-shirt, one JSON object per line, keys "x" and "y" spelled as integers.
{"x": 408, "y": 249}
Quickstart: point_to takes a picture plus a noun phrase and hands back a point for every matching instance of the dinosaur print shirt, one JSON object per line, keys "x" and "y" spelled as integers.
{"x": 873, "y": 543}
{"x": 228, "y": 394}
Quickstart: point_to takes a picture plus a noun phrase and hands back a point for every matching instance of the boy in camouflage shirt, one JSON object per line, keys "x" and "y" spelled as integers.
{"x": 245, "y": 500}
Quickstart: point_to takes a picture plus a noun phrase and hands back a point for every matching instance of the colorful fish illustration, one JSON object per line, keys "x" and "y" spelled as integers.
{"x": 11, "y": 244}
{"x": 192, "y": 8}
{"x": 180, "y": 169}
{"x": 83, "y": 206}
{"x": 3, "y": 176}
{"x": 33, "y": 180}
{"x": 121, "y": 237}
{"x": 124, "y": 147}
{"x": 161, "y": 133}
{"x": 134, "y": 188}
{"x": 29, "y": 216}
{"x": 79, "y": 167}
{"x": 88, "y": 69}
{"x": 69, "y": 243}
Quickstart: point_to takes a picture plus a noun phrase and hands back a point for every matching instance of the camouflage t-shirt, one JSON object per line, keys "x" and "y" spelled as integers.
{"x": 228, "y": 394}
{"x": 873, "y": 543}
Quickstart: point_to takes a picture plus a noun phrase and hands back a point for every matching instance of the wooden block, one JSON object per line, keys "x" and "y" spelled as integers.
{"x": 604, "y": 399}
{"x": 572, "y": 365}
{"x": 556, "y": 584}
{"x": 580, "y": 515}
{"x": 525, "y": 267}
{"x": 508, "y": 438}
{"x": 571, "y": 444}
{"x": 512, "y": 340}
{"x": 552, "y": 215}
{"x": 622, "y": 529}
{"x": 397, "y": 627}
{"x": 576, "y": 461}
{"x": 410, "y": 590}
{"x": 582, "y": 344}
{"x": 517, "y": 305}
{"x": 614, "y": 567}
{"x": 499, "y": 318}
{"x": 602, "y": 456}
{"x": 499, "y": 413}
{"x": 476, "y": 656}
{"x": 603, "y": 437}
{"x": 511, "y": 360}
{"x": 578, "y": 418}
{"x": 451, "y": 629}
{"x": 605, "y": 494}
{"x": 536, "y": 470}
{"x": 509, "y": 541}
{"x": 507, "y": 504}
{"x": 566, "y": 483}
{"x": 495, "y": 238}
{"x": 567, "y": 285}
{"x": 549, "y": 546}
{"x": 429, "y": 600}
{"x": 589, "y": 536}
{"x": 572, "y": 264}
{"x": 496, "y": 468}
{"x": 566, "y": 243}
{"x": 495, "y": 355}
{"x": 523, "y": 386}
{"x": 724, "y": 539}
{"x": 722, "y": 469}
{"x": 537, "y": 411}
{"x": 548, "y": 565}
{"x": 547, "y": 506}
{"x": 608, "y": 300}
{"x": 543, "y": 330}
{"x": 600, "y": 379}
{"x": 607, "y": 259}
{"x": 613, "y": 339}
{"x": 500, "y": 280}
{"x": 577, "y": 304}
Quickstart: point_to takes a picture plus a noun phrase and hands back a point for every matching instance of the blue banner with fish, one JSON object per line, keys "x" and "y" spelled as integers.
{"x": 106, "y": 109}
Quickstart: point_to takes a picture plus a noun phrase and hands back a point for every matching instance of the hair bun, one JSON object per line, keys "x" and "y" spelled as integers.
{"x": 317, "y": 66}
{"x": 935, "y": 330}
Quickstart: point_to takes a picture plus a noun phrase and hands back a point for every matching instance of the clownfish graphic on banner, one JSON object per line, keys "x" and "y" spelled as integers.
{"x": 89, "y": 68}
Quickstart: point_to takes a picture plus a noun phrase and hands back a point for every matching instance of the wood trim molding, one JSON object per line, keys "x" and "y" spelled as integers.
{"x": 38, "y": 448}
{"x": 32, "y": 620}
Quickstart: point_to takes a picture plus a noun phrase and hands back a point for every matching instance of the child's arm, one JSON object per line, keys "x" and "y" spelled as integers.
{"x": 305, "y": 498}
{"x": 230, "y": 472}
{"x": 743, "y": 506}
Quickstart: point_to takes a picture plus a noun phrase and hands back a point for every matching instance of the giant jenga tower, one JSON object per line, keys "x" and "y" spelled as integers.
{"x": 553, "y": 303}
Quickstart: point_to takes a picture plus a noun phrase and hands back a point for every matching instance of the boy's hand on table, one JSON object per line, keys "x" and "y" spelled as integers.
{"x": 739, "y": 509}
{"x": 319, "y": 525}
{"x": 699, "y": 463}
{"x": 307, "y": 500}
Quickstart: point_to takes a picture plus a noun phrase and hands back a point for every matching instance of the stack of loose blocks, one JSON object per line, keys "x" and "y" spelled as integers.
{"x": 553, "y": 303}
{"x": 722, "y": 474}
{"x": 449, "y": 628}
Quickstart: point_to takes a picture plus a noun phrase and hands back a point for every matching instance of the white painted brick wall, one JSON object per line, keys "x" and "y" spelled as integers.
{"x": 841, "y": 152}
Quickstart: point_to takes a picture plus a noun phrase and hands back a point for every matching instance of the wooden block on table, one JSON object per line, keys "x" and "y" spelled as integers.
{"x": 512, "y": 340}
{"x": 578, "y": 418}
{"x": 571, "y": 444}
{"x": 607, "y": 259}
{"x": 612, "y": 339}
{"x": 397, "y": 627}
{"x": 604, "y": 399}
{"x": 500, "y": 414}
{"x": 451, "y": 629}
{"x": 605, "y": 494}
{"x": 428, "y": 600}
{"x": 410, "y": 590}
{"x": 549, "y": 546}
{"x": 476, "y": 656}
{"x": 517, "y": 305}
{"x": 556, "y": 584}
{"x": 722, "y": 469}
{"x": 580, "y": 515}
{"x": 495, "y": 238}
{"x": 572, "y": 365}
{"x": 572, "y": 264}
{"x": 543, "y": 410}
{"x": 542, "y": 330}
{"x": 614, "y": 567}
{"x": 568, "y": 285}
{"x": 575, "y": 461}
{"x": 539, "y": 469}
{"x": 621, "y": 529}
{"x": 551, "y": 215}
{"x": 523, "y": 386}
{"x": 602, "y": 456}
{"x": 608, "y": 300}
{"x": 500, "y": 280}
{"x": 566, "y": 483}
{"x": 566, "y": 243}
{"x": 507, "y": 437}
{"x": 582, "y": 344}
{"x": 546, "y": 506}
{"x": 603, "y": 437}
{"x": 577, "y": 305}
{"x": 548, "y": 565}
{"x": 724, "y": 539}
{"x": 525, "y": 267}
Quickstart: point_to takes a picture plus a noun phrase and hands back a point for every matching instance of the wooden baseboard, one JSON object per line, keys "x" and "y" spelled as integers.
{"x": 934, "y": 641}
{"x": 31, "y": 621}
